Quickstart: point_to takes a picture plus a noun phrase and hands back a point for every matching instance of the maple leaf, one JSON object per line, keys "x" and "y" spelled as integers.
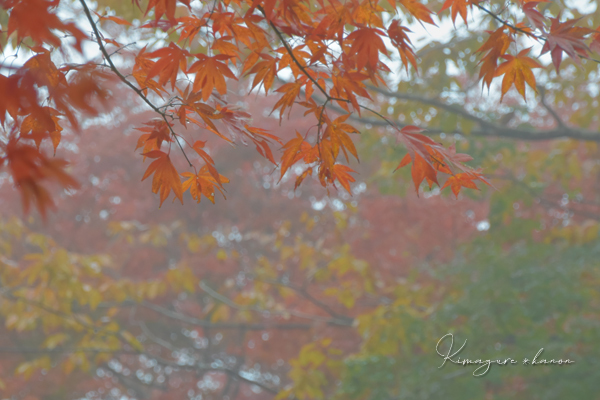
{"x": 140, "y": 72}
{"x": 190, "y": 27}
{"x": 261, "y": 139}
{"x": 224, "y": 46}
{"x": 87, "y": 84}
{"x": 158, "y": 132}
{"x": 41, "y": 124}
{"x": 565, "y": 36}
{"x": 210, "y": 164}
{"x": 595, "y": 45}
{"x": 338, "y": 132}
{"x": 32, "y": 18}
{"x": 116, "y": 20}
{"x": 458, "y": 7}
{"x": 418, "y": 10}
{"x": 494, "y": 48}
{"x": 302, "y": 176}
{"x": 290, "y": 153}
{"x": 265, "y": 71}
{"x": 458, "y": 181}
{"x": 291, "y": 91}
{"x": 404, "y": 162}
{"x": 534, "y": 16}
{"x": 171, "y": 60}
{"x": 44, "y": 70}
{"x": 420, "y": 171}
{"x": 9, "y": 90}
{"x": 366, "y": 45}
{"x": 398, "y": 36}
{"x": 346, "y": 87}
{"x": 455, "y": 157}
{"x": 165, "y": 177}
{"x": 29, "y": 168}
{"x": 415, "y": 141}
{"x": 210, "y": 74}
{"x": 164, "y": 7}
{"x": 517, "y": 71}
{"x": 342, "y": 174}
{"x": 203, "y": 184}
{"x": 148, "y": 145}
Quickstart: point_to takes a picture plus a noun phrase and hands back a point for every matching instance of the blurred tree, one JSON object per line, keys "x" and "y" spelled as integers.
{"x": 294, "y": 293}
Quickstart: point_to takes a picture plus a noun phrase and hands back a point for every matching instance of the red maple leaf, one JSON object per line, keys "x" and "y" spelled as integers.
{"x": 565, "y": 36}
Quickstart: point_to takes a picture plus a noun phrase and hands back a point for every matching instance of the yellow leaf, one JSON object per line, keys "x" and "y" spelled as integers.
{"x": 221, "y": 255}
{"x": 54, "y": 340}
{"x": 132, "y": 340}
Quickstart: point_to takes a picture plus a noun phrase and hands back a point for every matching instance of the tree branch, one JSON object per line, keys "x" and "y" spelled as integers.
{"x": 225, "y": 300}
{"x": 139, "y": 92}
{"x": 304, "y": 293}
{"x": 491, "y": 130}
{"x": 224, "y": 325}
{"x": 554, "y": 114}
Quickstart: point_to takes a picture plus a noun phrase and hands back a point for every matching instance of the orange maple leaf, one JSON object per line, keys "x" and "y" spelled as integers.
{"x": 265, "y": 71}
{"x": 495, "y": 47}
{"x": 421, "y": 170}
{"x": 338, "y": 132}
{"x": 171, "y": 60}
{"x": 517, "y": 71}
{"x": 116, "y": 20}
{"x": 29, "y": 167}
{"x": 366, "y": 45}
{"x": 32, "y": 18}
{"x": 398, "y": 36}
{"x": 458, "y": 7}
{"x": 166, "y": 177}
{"x": 210, "y": 164}
{"x": 158, "y": 132}
{"x": 303, "y": 176}
{"x": 342, "y": 174}
{"x": 291, "y": 91}
{"x": 418, "y": 10}
{"x": 458, "y": 181}
{"x": 140, "y": 72}
{"x": 290, "y": 154}
{"x": 203, "y": 184}
{"x": 41, "y": 124}
{"x": 210, "y": 74}
{"x": 162, "y": 7}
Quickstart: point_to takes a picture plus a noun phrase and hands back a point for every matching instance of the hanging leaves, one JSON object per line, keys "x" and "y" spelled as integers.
{"x": 165, "y": 177}
{"x": 568, "y": 38}
{"x": 319, "y": 59}
{"x": 517, "y": 72}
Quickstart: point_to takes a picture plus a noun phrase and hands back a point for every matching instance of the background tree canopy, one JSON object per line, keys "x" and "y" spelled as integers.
{"x": 319, "y": 277}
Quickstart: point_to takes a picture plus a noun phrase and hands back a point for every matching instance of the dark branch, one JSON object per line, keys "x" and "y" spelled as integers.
{"x": 489, "y": 130}
{"x": 112, "y": 66}
{"x": 225, "y": 325}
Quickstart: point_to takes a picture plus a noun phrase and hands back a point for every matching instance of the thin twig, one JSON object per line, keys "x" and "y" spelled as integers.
{"x": 225, "y": 300}
{"x": 552, "y": 112}
{"x": 86, "y": 10}
{"x": 511, "y": 26}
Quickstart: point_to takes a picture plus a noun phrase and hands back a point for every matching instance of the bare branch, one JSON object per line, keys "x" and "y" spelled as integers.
{"x": 552, "y": 112}
{"x": 140, "y": 93}
{"x": 224, "y": 325}
{"x": 217, "y": 296}
{"x": 491, "y": 130}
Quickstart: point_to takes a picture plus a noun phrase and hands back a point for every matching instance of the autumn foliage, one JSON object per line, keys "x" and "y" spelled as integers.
{"x": 330, "y": 50}
{"x": 323, "y": 275}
